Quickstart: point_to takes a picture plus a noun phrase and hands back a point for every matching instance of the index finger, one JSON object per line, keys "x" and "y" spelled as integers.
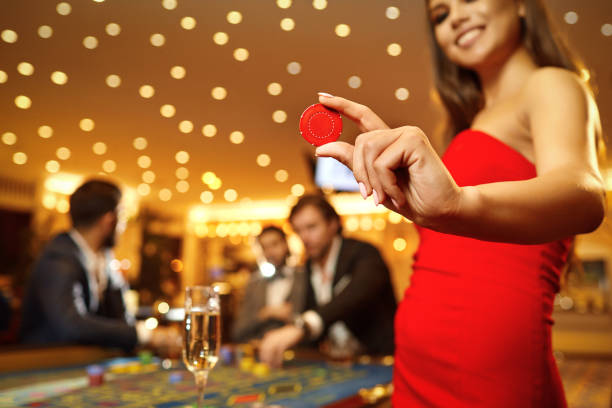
{"x": 365, "y": 118}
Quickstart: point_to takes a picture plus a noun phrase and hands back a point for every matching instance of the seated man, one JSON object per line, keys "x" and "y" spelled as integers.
{"x": 270, "y": 301}
{"x": 73, "y": 295}
{"x": 349, "y": 298}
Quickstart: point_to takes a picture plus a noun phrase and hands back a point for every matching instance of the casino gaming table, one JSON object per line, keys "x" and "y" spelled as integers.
{"x": 132, "y": 382}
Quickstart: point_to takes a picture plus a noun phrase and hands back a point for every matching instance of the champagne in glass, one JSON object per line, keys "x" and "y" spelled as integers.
{"x": 202, "y": 339}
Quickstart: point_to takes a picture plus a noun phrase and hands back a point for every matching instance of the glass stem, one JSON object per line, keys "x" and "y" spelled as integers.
{"x": 201, "y": 377}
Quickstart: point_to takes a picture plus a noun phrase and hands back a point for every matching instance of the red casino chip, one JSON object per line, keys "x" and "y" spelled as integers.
{"x": 320, "y": 125}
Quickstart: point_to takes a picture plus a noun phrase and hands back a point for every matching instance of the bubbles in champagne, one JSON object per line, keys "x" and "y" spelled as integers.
{"x": 202, "y": 340}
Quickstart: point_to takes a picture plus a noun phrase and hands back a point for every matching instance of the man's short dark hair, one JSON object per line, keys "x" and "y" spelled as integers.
{"x": 92, "y": 200}
{"x": 320, "y": 203}
{"x": 272, "y": 228}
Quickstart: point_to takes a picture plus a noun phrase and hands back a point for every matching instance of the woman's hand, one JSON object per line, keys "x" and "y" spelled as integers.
{"x": 397, "y": 166}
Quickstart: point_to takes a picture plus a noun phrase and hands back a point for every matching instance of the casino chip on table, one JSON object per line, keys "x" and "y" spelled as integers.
{"x": 320, "y": 125}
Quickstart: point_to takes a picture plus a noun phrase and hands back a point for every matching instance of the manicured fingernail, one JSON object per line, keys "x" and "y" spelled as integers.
{"x": 363, "y": 191}
{"x": 325, "y": 94}
{"x": 394, "y": 203}
{"x": 375, "y": 195}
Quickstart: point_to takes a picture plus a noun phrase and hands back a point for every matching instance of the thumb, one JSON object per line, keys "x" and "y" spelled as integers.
{"x": 341, "y": 151}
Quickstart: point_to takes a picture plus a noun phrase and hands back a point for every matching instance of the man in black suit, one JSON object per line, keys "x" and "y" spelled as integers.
{"x": 275, "y": 292}
{"x": 73, "y": 295}
{"x": 349, "y": 298}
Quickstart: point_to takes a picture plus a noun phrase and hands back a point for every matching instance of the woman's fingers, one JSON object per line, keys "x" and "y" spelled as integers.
{"x": 352, "y": 157}
{"x": 365, "y": 118}
{"x": 379, "y": 161}
{"x": 385, "y": 167}
{"x": 363, "y": 159}
{"x": 359, "y": 167}
{"x": 341, "y": 151}
{"x": 381, "y": 173}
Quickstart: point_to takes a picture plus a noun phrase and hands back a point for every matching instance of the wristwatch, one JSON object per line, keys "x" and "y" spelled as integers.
{"x": 300, "y": 323}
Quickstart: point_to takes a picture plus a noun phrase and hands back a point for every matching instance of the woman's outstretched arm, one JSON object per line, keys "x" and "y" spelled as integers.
{"x": 567, "y": 197}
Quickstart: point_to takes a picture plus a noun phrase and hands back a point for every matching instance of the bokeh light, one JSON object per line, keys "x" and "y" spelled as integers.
{"x": 343, "y": 30}
{"x": 63, "y": 8}
{"x": 90, "y": 42}
{"x": 181, "y": 157}
{"x": 23, "y": 102}
{"x": 87, "y": 124}
{"x": 109, "y": 166}
{"x": 63, "y": 153}
{"x": 25, "y": 68}
{"x": 146, "y": 91}
{"x": 59, "y": 78}
{"x": 279, "y": 116}
{"x": 157, "y": 40}
{"x": 281, "y": 175}
{"x": 44, "y": 31}
{"x": 275, "y": 89}
{"x": 186, "y": 126}
{"x": 188, "y": 23}
{"x": 236, "y": 137}
{"x": 209, "y": 130}
{"x": 220, "y": 38}
{"x": 140, "y": 143}
{"x": 287, "y": 24}
{"x": 234, "y": 17}
{"x": 20, "y": 158}
{"x": 45, "y": 131}
{"x": 399, "y": 244}
{"x": 99, "y": 148}
{"x": 263, "y": 160}
{"x": 294, "y": 68}
{"x": 9, "y": 138}
{"x": 218, "y": 93}
{"x": 113, "y": 29}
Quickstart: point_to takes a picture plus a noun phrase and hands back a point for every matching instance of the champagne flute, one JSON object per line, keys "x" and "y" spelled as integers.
{"x": 202, "y": 339}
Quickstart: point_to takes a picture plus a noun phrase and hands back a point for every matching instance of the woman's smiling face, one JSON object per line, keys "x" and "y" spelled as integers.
{"x": 476, "y": 33}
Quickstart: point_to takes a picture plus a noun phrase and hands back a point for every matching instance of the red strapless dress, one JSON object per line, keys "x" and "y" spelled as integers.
{"x": 474, "y": 328}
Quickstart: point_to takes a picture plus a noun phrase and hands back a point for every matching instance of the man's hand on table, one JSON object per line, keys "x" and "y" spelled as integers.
{"x": 281, "y": 312}
{"x": 276, "y": 342}
{"x": 165, "y": 337}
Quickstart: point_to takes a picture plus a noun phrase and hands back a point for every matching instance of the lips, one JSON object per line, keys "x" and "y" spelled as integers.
{"x": 467, "y": 37}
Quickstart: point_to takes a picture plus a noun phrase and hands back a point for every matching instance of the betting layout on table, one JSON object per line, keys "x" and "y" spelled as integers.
{"x": 149, "y": 385}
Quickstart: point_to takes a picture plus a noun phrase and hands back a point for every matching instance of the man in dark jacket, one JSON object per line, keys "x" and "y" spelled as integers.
{"x": 349, "y": 297}
{"x": 73, "y": 294}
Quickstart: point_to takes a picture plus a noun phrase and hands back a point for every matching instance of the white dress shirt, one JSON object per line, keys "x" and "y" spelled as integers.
{"x": 278, "y": 290}
{"x": 322, "y": 279}
{"x": 99, "y": 276}
{"x": 95, "y": 264}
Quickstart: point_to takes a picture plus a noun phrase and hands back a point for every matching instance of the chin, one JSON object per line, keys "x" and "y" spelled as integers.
{"x": 314, "y": 254}
{"x": 110, "y": 241}
{"x": 472, "y": 59}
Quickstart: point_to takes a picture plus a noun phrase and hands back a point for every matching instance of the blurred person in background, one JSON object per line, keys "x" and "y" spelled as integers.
{"x": 73, "y": 295}
{"x": 274, "y": 293}
{"x": 349, "y": 298}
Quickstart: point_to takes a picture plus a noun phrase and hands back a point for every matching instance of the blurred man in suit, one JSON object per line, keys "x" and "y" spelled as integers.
{"x": 274, "y": 293}
{"x": 73, "y": 295}
{"x": 349, "y": 298}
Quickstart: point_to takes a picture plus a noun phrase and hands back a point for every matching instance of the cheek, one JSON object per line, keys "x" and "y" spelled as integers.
{"x": 442, "y": 37}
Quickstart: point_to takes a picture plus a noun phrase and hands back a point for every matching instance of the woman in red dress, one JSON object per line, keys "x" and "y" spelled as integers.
{"x": 496, "y": 214}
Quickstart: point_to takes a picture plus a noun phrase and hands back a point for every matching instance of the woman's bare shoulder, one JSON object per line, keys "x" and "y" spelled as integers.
{"x": 552, "y": 83}
{"x": 552, "y": 89}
